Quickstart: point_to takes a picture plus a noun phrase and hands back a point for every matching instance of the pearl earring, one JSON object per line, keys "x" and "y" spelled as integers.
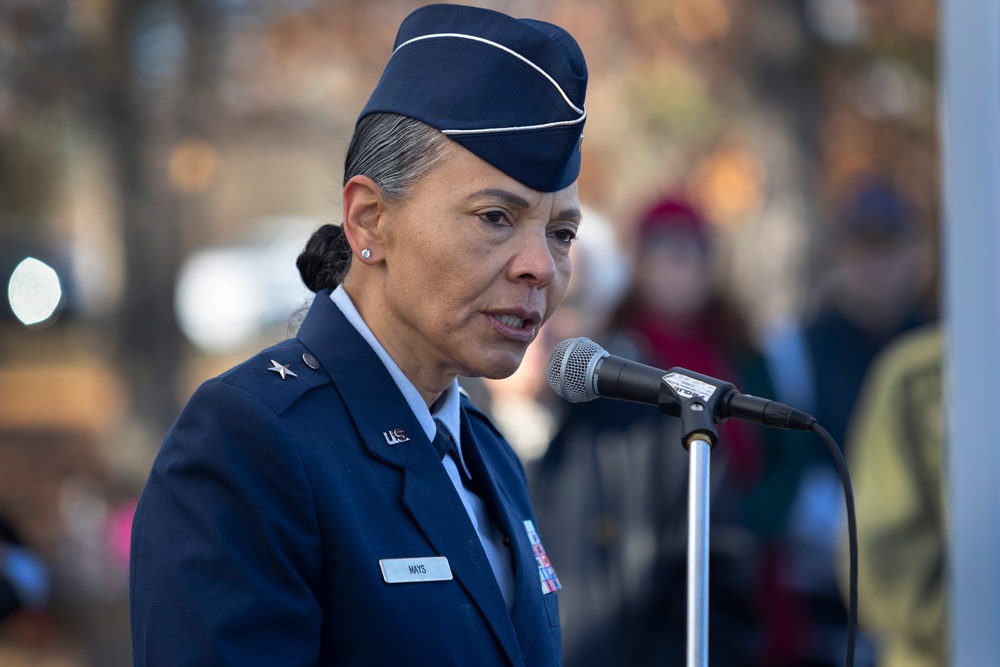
{"x": 366, "y": 253}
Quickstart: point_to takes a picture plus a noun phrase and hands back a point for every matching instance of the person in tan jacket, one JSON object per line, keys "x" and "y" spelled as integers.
{"x": 896, "y": 462}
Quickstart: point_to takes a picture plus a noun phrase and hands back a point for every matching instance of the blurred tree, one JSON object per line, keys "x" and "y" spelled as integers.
{"x": 144, "y": 75}
{"x": 33, "y": 44}
{"x": 160, "y": 69}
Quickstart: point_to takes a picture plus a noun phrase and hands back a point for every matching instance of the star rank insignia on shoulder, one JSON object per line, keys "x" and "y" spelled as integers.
{"x": 282, "y": 369}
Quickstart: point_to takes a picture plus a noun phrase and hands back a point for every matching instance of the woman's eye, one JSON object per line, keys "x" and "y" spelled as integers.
{"x": 564, "y": 235}
{"x": 494, "y": 217}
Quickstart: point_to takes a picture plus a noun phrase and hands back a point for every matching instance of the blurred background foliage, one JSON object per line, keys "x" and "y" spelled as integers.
{"x": 168, "y": 158}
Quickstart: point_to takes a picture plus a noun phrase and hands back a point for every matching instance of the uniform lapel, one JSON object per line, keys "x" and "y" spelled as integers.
{"x": 528, "y": 612}
{"x": 431, "y": 497}
{"x": 392, "y": 433}
{"x": 379, "y": 411}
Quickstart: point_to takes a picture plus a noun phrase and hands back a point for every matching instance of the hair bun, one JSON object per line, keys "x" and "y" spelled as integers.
{"x": 323, "y": 261}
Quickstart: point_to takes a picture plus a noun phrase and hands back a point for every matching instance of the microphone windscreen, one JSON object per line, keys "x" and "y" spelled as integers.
{"x": 570, "y": 369}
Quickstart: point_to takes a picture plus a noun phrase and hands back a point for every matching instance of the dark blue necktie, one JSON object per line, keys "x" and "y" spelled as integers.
{"x": 445, "y": 445}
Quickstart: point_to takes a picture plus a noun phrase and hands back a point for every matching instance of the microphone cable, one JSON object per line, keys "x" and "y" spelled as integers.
{"x": 852, "y": 539}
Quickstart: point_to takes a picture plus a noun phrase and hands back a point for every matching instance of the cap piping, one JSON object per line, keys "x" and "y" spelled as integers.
{"x": 582, "y": 112}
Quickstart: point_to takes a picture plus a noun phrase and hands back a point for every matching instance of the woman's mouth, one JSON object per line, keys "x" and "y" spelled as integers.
{"x": 519, "y": 327}
{"x": 511, "y": 321}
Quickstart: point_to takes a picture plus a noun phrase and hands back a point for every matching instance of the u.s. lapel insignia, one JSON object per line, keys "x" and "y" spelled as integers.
{"x": 395, "y": 436}
{"x": 282, "y": 369}
{"x": 547, "y": 573}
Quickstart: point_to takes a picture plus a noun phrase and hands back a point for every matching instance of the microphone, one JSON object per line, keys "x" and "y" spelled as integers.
{"x": 580, "y": 370}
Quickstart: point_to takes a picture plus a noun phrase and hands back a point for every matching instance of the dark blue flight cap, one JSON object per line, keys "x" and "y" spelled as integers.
{"x": 509, "y": 90}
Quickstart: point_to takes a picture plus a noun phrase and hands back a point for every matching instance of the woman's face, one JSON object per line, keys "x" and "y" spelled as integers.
{"x": 474, "y": 263}
{"x": 674, "y": 277}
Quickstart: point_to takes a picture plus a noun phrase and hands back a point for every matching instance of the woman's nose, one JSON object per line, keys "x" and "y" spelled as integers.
{"x": 533, "y": 262}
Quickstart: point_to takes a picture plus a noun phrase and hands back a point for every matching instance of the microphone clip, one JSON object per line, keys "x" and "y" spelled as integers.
{"x": 697, "y": 400}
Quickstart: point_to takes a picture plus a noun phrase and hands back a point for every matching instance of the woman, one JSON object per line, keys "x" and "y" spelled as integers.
{"x": 306, "y": 509}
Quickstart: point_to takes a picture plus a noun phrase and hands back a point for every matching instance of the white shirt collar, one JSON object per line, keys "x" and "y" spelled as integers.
{"x": 447, "y": 408}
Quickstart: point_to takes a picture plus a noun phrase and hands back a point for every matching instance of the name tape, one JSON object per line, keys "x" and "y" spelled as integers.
{"x": 412, "y": 570}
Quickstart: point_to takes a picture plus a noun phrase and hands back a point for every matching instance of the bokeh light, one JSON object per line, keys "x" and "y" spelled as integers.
{"x": 227, "y": 296}
{"x": 35, "y": 293}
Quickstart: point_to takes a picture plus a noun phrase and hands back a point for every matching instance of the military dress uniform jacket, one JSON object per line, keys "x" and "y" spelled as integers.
{"x": 258, "y": 536}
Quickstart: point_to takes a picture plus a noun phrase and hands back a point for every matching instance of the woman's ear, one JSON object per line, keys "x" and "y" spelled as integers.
{"x": 363, "y": 207}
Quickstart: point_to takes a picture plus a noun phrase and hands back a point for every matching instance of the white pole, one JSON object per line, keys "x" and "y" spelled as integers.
{"x": 970, "y": 116}
{"x": 699, "y": 474}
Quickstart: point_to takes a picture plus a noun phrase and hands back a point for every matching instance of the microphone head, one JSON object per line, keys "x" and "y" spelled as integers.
{"x": 571, "y": 369}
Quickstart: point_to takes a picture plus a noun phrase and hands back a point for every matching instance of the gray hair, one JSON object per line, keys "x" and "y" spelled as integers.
{"x": 394, "y": 151}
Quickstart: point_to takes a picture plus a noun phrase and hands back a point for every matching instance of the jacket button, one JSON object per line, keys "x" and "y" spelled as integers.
{"x": 506, "y": 541}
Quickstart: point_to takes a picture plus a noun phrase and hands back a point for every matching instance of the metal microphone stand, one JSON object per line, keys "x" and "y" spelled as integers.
{"x": 698, "y": 435}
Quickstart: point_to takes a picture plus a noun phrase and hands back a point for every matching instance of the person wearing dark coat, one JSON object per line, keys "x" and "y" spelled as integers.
{"x": 336, "y": 499}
